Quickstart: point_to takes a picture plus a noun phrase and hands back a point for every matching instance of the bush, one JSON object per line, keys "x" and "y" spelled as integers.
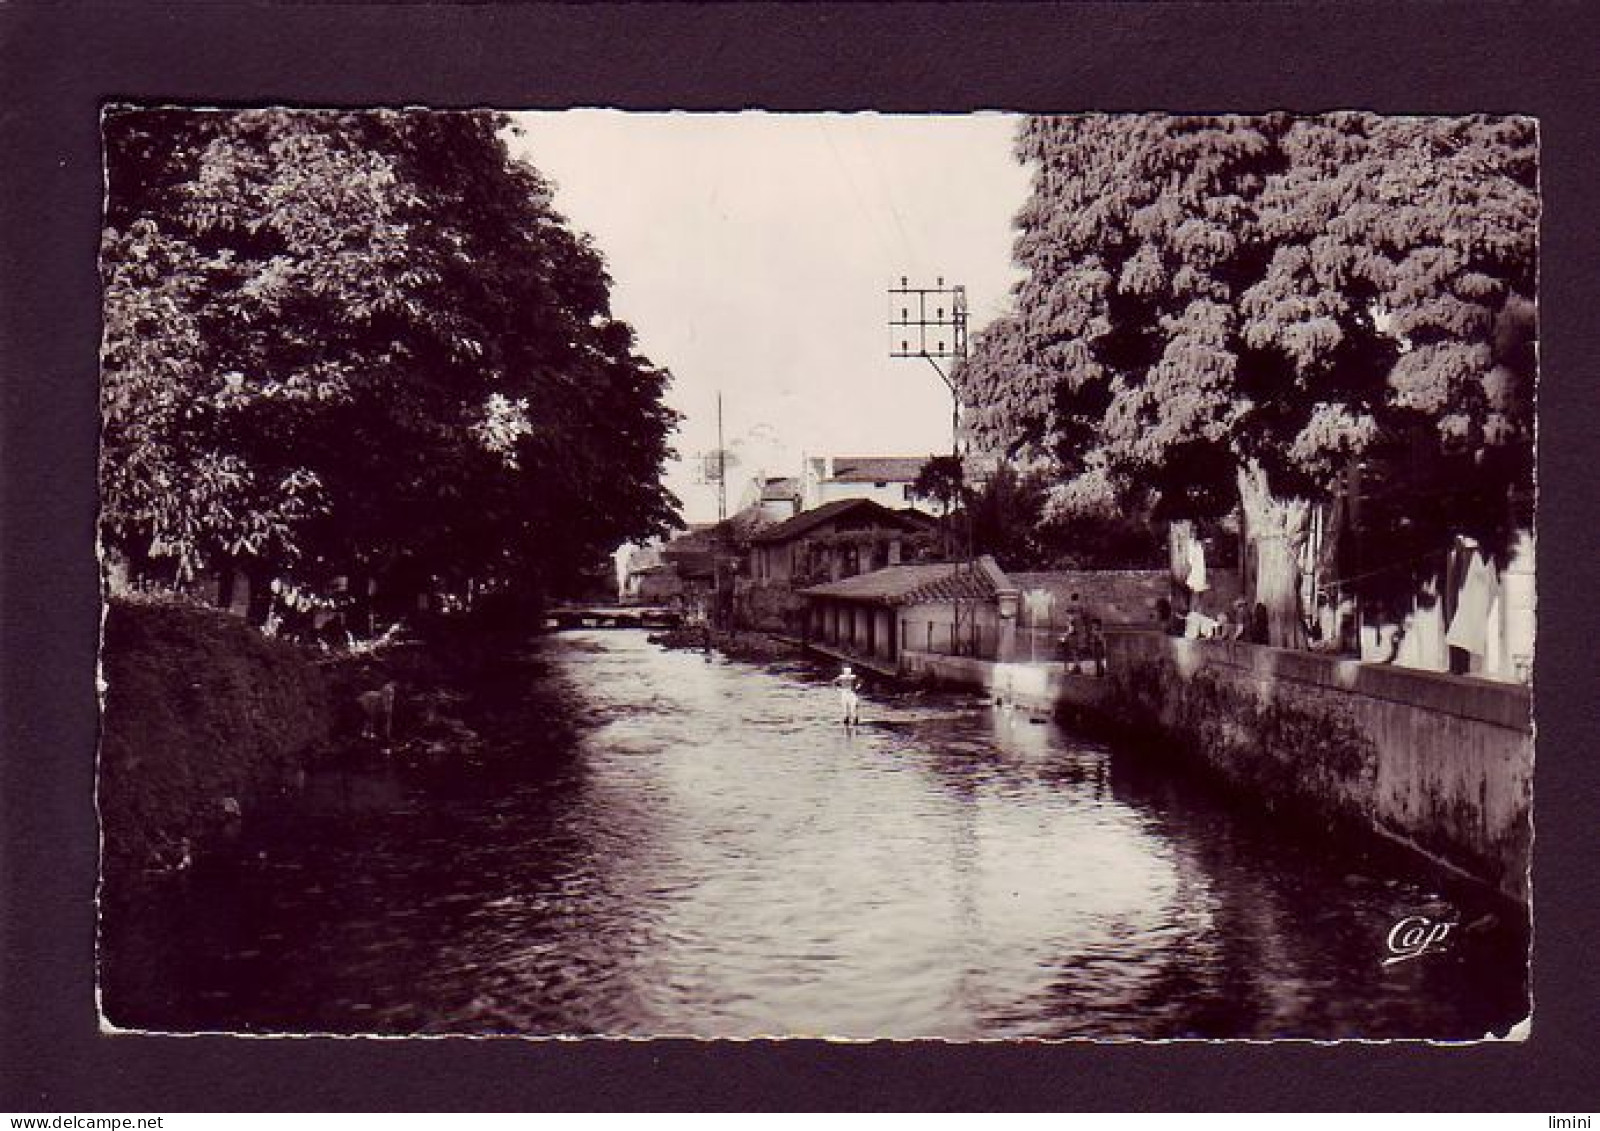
{"x": 197, "y": 708}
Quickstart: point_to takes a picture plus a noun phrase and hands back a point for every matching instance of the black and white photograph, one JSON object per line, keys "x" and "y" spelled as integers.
{"x": 862, "y": 576}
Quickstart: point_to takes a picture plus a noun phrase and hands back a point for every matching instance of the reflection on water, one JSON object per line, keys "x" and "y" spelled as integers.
{"x": 717, "y": 856}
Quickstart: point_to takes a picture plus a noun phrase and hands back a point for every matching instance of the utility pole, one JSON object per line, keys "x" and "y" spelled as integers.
{"x": 931, "y": 323}
{"x": 714, "y": 469}
{"x": 718, "y": 546}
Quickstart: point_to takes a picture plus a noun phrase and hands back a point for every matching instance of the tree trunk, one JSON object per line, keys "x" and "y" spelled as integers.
{"x": 360, "y": 614}
{"x": 1180, "y": 532}
{"x": 1277, "y": 529}
{"x": 225, "y": 587}
{"x": 259, "y": 605}
{"x": 1334, "y": 562}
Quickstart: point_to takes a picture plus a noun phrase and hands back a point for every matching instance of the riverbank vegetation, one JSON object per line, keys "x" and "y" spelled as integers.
{"x": 359, "y": 361}
{"x": 1014, "y": 515}
{"x": 208, "y": 725}
{"x": 362, "y": 384}
{"x": 202, "y": 715}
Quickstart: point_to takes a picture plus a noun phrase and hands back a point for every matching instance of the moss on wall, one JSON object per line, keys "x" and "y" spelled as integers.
{"x": 1428, "y": 760}
{"x": 1284, "y": 750}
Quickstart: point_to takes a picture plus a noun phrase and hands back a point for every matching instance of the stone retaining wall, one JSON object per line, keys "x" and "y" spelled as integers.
{"x": 1442, "y": 762}
{"x": 1037, "y": 686}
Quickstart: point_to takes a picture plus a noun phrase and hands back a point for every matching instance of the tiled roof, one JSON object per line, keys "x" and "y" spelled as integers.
{"x": 780, "y": 489}
{"x": 693, "y": 563}
{"x": 915, "y": 584}
{"x": 895, "y": 469}
{"x": 696, "y": 541}
{"x": 806, "y": 521}
{"x": 876, "y": 469}
{"x": 706, "y": 536}
{"x": 746, "y": 522}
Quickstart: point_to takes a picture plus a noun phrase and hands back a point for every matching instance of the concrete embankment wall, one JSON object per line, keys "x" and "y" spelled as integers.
{"x": 1041, "y": 686}
{"x": 1442, "y": 762}
{"x": 198, "y": 708}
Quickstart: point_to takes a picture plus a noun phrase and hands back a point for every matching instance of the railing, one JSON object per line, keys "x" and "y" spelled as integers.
{"x": 975, "y": 640}
{"x": 1054, "y": 645}
{"x": 1038, "y": 644}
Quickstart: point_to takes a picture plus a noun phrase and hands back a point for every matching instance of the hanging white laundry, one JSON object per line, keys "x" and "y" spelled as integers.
{"x": 1496, "y": 664}
{"x": 1469, "y": 628}
{"x": 1197, "y": 567}
{"x": 1328, "y": 619}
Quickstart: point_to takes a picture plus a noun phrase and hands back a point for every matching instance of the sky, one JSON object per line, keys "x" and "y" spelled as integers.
{"x": 753, "y": 252}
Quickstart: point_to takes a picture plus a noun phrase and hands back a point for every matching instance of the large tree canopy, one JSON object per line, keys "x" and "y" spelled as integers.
{"x": 1228, "y": 310}
{"x": 361, "y": 345}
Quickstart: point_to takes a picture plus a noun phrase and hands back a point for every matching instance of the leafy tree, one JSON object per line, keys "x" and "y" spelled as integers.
{"x": 361, "y": 345}
{"x": 1006, "y": 514}
{"x": 1238, "y": 310}
{"x": 1018, "y": 516}
{"x": 942, "y": 479}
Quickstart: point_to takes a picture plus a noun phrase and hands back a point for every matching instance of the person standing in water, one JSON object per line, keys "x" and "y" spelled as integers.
{"x": 849, "y": 695}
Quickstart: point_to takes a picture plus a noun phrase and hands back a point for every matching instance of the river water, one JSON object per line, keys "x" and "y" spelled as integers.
{"x": 713, "y": 854}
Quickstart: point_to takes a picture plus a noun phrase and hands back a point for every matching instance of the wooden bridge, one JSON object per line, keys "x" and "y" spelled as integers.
{"x": 612, "y": 616}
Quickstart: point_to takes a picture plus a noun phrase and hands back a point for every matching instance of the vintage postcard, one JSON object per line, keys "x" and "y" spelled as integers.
{"x": 972, "y": 577}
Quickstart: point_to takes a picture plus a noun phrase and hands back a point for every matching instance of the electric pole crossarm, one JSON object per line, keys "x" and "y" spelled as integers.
{"x": 931, "y": 323}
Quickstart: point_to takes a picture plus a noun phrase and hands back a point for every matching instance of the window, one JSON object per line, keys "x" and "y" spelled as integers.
{"x": 881, "y": 484}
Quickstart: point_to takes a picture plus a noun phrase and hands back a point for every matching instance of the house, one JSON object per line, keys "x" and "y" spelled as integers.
{"x": 707, "y": 561}
{"x": 690, "y": 560}
{"x": 837, "y": 539}
{"x": 644, "y": 578}
{"x": 654, "y": 585}
{"x": 977, "y": 610}
{"x": 774, "y": 497}
{"x": 883, "y": 479}
{"x": 947, "y": 608}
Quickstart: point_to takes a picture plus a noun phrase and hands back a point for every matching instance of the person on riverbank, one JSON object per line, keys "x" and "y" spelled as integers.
{"x": 849, "y": 695}
{"x": 1096, "y": 645}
